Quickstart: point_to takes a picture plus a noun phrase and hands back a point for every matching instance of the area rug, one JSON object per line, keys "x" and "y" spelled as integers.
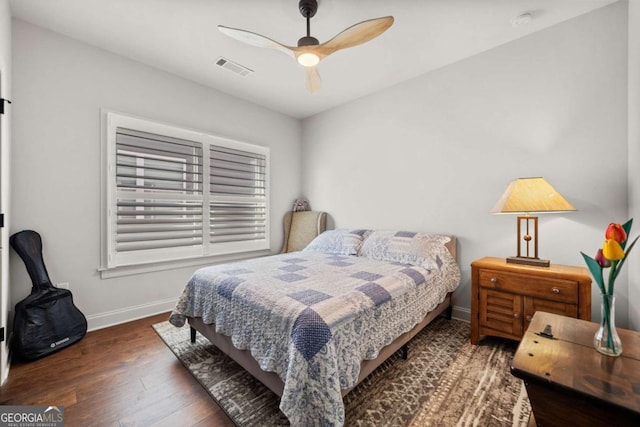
{"x": 445, "y": 381}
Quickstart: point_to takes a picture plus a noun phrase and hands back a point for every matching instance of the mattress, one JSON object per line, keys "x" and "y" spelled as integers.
{"x": 313, "y": 317}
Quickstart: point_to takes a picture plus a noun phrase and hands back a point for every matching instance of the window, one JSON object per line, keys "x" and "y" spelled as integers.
{"x": 175, "y": 194}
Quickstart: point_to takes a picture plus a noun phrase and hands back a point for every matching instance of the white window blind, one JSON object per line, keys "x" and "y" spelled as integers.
{"x": 237, "y": 210}
{"x": 150, "y": 165}
{"x": 173, "y": 197}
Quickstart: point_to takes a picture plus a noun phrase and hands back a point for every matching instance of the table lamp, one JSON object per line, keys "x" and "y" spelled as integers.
{"x": 525, "y": 196}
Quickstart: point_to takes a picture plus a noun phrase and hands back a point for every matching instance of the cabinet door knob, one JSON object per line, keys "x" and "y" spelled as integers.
{"x": 494, "y": 280}
{"x": 528, "y": 318}
{"x": 555, "y": 290}
{"x": 516, "y": 315}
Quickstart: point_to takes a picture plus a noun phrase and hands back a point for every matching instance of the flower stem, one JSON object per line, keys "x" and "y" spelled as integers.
{"x": 612, "y": 277}
{"x": 606, "y": 315}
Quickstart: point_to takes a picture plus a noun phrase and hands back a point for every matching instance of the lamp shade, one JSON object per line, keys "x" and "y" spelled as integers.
{"x": 531, "y": 195}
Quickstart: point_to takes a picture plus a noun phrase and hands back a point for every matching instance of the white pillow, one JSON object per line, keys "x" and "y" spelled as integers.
{"x": 405, "y": 247}
{"x": 337, "y": 242}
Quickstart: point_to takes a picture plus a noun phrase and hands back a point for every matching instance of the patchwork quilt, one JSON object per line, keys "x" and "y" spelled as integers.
{"x": 313, "y": 317}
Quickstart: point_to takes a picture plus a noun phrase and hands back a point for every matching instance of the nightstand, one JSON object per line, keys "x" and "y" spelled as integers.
{"x": 505, "y": 296}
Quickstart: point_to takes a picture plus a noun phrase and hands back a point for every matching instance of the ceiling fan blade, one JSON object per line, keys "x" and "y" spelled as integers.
{"x": 312, "y": 79}
{"x": 356, "y": 34}
{"x": 255, "y": 39}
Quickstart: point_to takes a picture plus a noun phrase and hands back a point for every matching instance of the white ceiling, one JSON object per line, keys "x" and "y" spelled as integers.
{"x": 180, "y": 36}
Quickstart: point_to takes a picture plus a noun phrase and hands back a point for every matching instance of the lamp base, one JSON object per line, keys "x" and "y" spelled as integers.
{"x": 529, "y": 261}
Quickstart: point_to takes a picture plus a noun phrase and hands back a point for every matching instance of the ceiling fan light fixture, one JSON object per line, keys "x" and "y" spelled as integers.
{"x": 309, "y": 50}
{"x": 308, "y": 59}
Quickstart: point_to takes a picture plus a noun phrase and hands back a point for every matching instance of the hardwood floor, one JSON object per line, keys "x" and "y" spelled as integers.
{"x": 119, "y": 376}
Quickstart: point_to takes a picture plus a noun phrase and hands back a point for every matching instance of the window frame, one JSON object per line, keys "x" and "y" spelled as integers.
{"x": 111, "y": 264}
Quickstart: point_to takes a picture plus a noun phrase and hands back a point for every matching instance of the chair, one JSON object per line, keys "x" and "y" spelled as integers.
{"x": 300, "y": 228}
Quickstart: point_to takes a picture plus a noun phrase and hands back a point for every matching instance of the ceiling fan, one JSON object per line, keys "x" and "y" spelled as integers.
{"x": 310, "y": 51}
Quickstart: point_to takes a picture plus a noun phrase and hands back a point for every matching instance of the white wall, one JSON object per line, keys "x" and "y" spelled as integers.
{"x": 60, "y": 85}
{"x": 5, "y": 137}
{"x": 435, "y": 153}
{"x": 634, "y": 159}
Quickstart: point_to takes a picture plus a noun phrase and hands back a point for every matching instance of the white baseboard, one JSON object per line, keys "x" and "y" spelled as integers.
{"x": 461, "y": 313}
{"x": 115, "y": 317}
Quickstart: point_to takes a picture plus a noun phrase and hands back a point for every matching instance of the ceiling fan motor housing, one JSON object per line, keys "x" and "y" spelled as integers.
{"x": 308, "y": 41}
{"x": 308, "y": 8}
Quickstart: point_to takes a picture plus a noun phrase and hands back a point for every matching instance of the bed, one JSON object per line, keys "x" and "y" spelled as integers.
{"x": 311, "y": 325}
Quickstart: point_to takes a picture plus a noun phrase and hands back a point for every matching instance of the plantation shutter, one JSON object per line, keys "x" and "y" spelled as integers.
{"x": 174, "y": 194}
{"x": 238, "y": 203}
{"x": 159, "y": 197}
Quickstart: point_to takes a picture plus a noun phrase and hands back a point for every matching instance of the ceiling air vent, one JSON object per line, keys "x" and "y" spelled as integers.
{"x": 233, "y": 67}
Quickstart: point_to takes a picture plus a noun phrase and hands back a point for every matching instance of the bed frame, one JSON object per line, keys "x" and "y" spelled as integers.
{"x": 273, "y": 381}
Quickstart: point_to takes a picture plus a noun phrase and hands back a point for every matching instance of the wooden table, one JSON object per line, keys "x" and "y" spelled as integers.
{"x": 569, "y": 383}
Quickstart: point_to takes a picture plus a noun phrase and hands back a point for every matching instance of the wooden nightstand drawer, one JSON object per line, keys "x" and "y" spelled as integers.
{"x": 535, "y": 286}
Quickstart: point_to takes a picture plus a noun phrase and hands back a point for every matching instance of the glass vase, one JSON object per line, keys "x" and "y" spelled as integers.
{"x": 606, "y": 339}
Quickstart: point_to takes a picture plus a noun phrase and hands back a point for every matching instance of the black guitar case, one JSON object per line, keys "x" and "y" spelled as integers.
{"x": 47, "y": 320}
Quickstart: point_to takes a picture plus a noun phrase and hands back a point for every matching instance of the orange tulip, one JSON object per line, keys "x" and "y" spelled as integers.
{"x": 615, "y": 232}
{"x": 612, "y": 250}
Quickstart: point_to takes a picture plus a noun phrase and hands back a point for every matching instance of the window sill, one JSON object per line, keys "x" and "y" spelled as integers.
{"x": 130, "y": 270}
